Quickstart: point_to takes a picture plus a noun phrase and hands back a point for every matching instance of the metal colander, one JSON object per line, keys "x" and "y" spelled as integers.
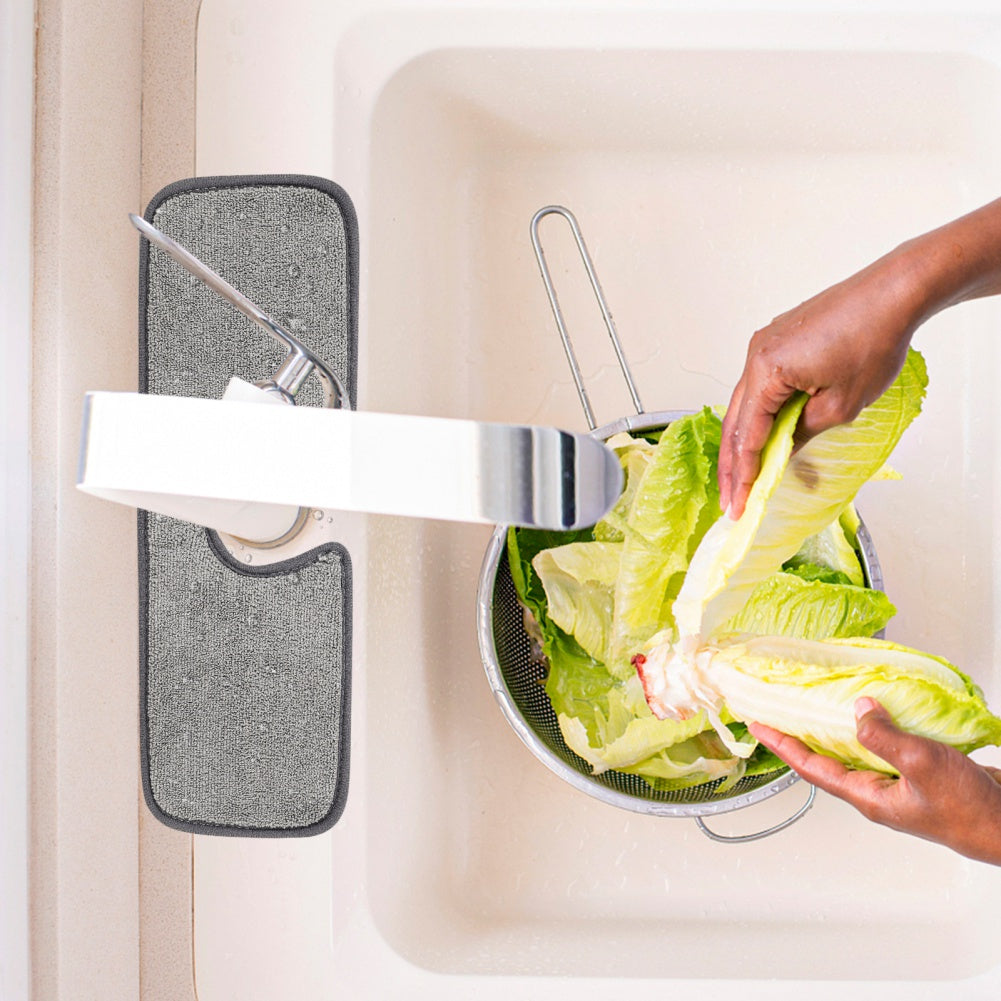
{"x": 516, "y": 668}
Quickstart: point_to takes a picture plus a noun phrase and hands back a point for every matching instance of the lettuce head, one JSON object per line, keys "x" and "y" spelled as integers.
{"x": 668, "y": 626}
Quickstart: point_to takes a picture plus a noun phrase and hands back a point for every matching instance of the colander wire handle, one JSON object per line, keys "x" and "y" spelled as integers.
{"x": 742, "y": 839}
{"x": 558, "y": 313}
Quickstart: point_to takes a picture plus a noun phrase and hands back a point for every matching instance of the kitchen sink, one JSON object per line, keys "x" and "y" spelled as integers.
{"x": 723, "y": 167}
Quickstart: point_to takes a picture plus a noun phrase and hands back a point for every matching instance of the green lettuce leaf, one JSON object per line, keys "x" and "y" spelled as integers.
{"x": 523, "y": 545}
{"x": 762, "y": 760}
{"x": 608, "y": 723}
{"x": 810, "y": 571}
{"x": 700, "y": 759}
{"x": 579, "y": 584}
{"x": 785, "y": 604}
{"x": 676, "y": 500}
{"x": 635, "y": 455}
{"x": 808, "y": 688}
{"x": 851, "y": 523}
{"x": 578, "y": 686}
{"x": 627, "y": 737}
{"x": 794, "y": 497}
{"x": 830, "y": 548}
{"x": 625, "y": 730}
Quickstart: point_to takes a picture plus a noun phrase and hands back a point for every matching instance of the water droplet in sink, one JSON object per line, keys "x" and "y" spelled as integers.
{"x": 318, "y": 515}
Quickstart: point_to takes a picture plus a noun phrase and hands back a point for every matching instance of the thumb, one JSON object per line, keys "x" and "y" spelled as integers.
{"x": 878, "y": 733}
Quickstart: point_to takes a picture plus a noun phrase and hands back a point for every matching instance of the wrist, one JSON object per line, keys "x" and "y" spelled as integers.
{"x": 956, "y": 262}
{"x": 900, "y": 291}
{"x": 981, "y": 840}
{"x": 923, "y": 277}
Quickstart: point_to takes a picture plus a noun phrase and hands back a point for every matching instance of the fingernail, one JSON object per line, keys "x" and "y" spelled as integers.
{"x": 864, "y": 705}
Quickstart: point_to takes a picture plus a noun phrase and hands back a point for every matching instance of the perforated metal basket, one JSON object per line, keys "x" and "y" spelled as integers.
{"x": 516, "y": 671}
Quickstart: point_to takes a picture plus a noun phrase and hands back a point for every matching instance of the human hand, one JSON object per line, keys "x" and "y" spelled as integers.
{"x": 843, "y": 347}
{"x": 846, "y": 345}
{"x": 941, "y": 795}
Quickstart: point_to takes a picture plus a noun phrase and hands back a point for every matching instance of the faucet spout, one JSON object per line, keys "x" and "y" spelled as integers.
{"x": 227, "y": 462}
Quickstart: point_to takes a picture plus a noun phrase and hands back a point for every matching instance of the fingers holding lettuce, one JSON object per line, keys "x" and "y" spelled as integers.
{"x": 939, "y": 794}
{"x": 842, "y": 348}
{"x": 845, "y": 346}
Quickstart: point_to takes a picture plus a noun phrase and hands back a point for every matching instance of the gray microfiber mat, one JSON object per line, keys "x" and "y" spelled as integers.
{"x": 245, "y": 670}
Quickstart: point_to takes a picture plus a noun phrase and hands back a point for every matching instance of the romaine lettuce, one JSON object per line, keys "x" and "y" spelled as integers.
{"x": 572, "y": 586}
{"x": 786, "y": 604}
{"x": 629, "y": 735}
{"x": 808, "y": 688}
{"x": 794, "y": 497}
{"x": 579, "y": 581}
{"x": 761, "y": 619}
{"x": 676, "y": 500}
{"x": 635, "y": 454}
{"x": 832, "y": 549}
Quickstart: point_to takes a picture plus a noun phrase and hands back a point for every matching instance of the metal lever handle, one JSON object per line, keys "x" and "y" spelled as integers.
{"x": 558, "y": 313}
{"x": 742, "y": 839}
{"x": 299, "y": 363}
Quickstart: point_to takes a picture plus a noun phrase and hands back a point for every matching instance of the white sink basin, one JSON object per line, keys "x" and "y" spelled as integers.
{"x": 723, "y": 168}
